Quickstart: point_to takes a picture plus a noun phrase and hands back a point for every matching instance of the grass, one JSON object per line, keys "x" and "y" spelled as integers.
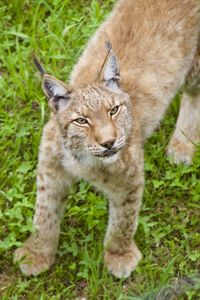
{"x": 169, "y": 230}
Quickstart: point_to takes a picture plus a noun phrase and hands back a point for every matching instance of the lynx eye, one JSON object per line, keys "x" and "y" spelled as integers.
{"x": 81, "y": 121}
{"x": 114, "y": 110}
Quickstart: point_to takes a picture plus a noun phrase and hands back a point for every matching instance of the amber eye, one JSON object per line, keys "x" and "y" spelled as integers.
{"x": 81, "y": 121}
{"x": 114, "y": 110}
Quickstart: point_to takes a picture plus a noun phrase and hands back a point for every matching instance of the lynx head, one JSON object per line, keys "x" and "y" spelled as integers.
{"x": 94, "y": 121}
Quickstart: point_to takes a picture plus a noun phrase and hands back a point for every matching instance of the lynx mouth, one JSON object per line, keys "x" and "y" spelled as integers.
{"x": 107, "y": 153}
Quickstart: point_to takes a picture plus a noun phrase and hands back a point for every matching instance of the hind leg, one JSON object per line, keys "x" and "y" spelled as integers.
{"x": 187, "y": 132}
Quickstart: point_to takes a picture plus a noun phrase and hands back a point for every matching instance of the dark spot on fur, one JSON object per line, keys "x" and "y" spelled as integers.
{"x": 41, "y": 189}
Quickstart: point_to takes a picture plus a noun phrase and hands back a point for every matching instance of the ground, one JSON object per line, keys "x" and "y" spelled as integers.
{"x": 169, "y": 231}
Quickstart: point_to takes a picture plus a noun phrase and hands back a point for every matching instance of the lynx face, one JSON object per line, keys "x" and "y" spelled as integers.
{"x": 95, "y": 121}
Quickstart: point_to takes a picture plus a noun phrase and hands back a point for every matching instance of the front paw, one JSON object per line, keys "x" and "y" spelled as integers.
{"x": 121, "y": 265}
{"x": 32, "y": 263}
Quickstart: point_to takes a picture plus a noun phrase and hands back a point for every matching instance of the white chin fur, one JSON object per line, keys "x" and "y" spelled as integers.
{"x": 109, "y": 160}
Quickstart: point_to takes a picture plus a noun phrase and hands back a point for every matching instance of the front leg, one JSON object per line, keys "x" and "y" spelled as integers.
{"x": 121, "y": 252}
{"x": 38, "y": 253}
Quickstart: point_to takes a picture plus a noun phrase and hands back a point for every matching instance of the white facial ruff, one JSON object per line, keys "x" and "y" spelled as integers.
{"x": 109, "y": 160}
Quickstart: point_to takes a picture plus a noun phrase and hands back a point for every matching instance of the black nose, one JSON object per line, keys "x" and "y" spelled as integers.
{"x": 108, "y": 144}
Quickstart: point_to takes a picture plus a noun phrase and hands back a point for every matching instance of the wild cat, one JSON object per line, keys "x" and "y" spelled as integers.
{"x": 101, "y": 119}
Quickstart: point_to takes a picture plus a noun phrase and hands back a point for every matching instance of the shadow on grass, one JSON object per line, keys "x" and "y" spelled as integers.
{"x": 179, "y": 287}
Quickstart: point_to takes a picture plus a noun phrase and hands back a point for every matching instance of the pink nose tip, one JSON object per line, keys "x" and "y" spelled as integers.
{"x": 108, "y": 144}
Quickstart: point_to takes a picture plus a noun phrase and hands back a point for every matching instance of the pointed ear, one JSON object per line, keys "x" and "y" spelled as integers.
{"x": 111, "y": 73}
{"x": 56, "y": 92}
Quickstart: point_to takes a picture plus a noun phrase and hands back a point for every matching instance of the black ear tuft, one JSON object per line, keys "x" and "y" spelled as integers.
{"x": 108, "y": 45}
{"x": 38, "y": 64}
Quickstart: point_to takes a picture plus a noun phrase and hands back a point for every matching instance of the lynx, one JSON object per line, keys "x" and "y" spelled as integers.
{"x": 115, "y": 98}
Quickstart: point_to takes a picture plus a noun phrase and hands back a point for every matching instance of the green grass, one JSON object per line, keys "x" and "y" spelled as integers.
{"x": 169, "y": 228}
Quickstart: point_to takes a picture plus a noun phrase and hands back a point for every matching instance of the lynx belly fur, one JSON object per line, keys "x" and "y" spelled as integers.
{"x": 101, "y": 119}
